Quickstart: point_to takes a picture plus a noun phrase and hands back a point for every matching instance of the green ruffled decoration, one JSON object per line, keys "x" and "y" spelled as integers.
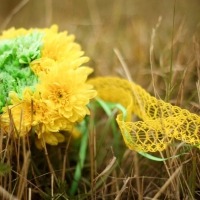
{"x": 15, "y": 57}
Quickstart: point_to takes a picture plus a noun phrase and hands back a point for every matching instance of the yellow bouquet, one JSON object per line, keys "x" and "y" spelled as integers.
{"x": 42, "y": 83}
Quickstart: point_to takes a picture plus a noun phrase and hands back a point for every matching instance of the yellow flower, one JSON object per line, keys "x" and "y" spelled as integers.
{"x": 52, "y": 29}
{"x": 58, "y": 47}
{"x": 13, "y": 33}
{"x": 20, "y": 112}
{"x": 63, "y": 124}
{"x": 64, "y": 89}
{"x": 43, "y": 64}
{"x": 43, "y": 114}
{"x": 32, "y": 111}
{"x": 52, "y": 138}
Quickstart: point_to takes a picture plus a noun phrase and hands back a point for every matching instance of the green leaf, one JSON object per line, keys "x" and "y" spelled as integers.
{"x": 82, "y": 156}
{"x": 4, "y": 168}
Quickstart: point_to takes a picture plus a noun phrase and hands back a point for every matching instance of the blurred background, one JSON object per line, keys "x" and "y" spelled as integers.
{"x": 101, "y": 26}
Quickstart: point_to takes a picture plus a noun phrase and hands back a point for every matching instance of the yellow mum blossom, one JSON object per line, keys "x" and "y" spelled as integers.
{"x": 63, "y": 124}
{"x": 42, "y": 114}
{"x": 61, "y": 46}
{"x": 65, "y": 90}
{"x": 58, "y": 47}
{"x": 52, "y": 29}
{"x": 27, "y": 113}
{"x": 55, "y": 138}
{"x": 21, "y": 113}
{"x": 32, "y": 111}
{"x": 13, "y": 33}
{"x": 43, "y": 64}
{"x": 44, "y": 135}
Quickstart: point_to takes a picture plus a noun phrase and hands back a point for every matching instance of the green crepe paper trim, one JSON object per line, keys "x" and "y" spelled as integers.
{"x": 107, "y": 106}
{"x": 15, "y": 56}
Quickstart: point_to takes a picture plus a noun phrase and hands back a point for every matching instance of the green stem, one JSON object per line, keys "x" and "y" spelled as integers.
{"x": 169, "y": 89}
{"x": 79, "y": 166}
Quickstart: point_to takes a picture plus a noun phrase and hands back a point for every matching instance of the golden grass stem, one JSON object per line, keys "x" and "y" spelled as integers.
{"x": 124, "y": 65}
{"x": 6, "y": 195}
{"x": 151, "y": 52}
{"x": 137, "y": 174}
{"x": 29, "y": 194}
{"x": 52, "y": 185}
{"x": 23, "y": 178}
{"x": 65, "y": 159}
{"x": 122, "y": 189}
{"x": 166, "y": 166}
{"x": 169, "y": 89}
{"x": 48, "y": 161}
{"x": 128, "y": 75}
{"x": 163, "y": 188}
{"x": 106, "y": 169}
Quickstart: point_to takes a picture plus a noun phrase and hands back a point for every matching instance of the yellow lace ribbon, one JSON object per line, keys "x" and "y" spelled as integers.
{"x": 161, "y": 121}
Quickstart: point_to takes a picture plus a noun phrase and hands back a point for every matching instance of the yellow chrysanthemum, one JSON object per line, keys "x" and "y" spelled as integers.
{"x": 50, "y": 117}
{"x": 44, "y": 135}
{"x": 13, "y": 33}
{"x": 45, "y": 64}
{"x": 61, "y": 46}
{"x": 64, "y": 89}
{"x": 58, "y": 47}
{"x": 63, "y": 124}
{"x": 20, "y": 113}
{"x": 44, "y": 114}
{"x": 32, "y": 111}
{"x": 42, "y": 65}
{"x": 52, "y": 29}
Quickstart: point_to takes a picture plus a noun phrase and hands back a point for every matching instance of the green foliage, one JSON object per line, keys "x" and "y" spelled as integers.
{"x": 15, "y": 57}
{"x": 82, "y": 155}
{"x": 4, "y": 168}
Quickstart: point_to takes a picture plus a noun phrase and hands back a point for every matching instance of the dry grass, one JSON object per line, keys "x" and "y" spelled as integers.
{"x": 161, "y": 55}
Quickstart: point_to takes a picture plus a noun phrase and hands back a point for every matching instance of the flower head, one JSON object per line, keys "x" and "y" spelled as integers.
{"x": 64, "y": 89}
{"x": 19, "y": 114}
{"x": 43, "y": 83}
{"x": 58, "y": 47}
